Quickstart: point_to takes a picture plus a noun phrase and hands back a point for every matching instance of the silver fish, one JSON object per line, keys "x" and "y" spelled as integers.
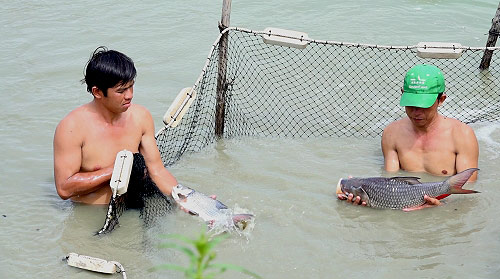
{"x": 212, "y": 211}
{"x": 402, "y": 192}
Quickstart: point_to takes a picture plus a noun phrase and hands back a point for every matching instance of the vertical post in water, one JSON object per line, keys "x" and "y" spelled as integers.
{"x": 221, "y": 74}
{"x": 492, "y": 40}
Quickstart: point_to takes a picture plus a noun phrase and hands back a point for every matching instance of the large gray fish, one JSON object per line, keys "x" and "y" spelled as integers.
{"x": 402, "y": 192}
{"x": 213, "y": 212}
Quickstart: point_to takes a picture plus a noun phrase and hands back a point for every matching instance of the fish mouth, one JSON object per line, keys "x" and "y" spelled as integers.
{"x": 339, "y": 187}
{"x": 181, "y": 193}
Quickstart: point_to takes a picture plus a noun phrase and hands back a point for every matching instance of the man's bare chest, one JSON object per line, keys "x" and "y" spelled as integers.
{"x": 100, "y": 146}
{"x": 438, "y": 161}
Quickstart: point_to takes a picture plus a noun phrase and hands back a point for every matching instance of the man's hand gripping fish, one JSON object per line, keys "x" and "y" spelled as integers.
{"x": 212, "y": 211}
{"x": 402, "y": 192}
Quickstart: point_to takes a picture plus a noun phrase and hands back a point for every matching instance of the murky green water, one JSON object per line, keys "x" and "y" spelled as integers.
{"x": 301, "y": 230}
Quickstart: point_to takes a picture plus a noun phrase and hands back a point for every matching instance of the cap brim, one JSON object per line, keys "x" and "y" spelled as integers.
{"x": 417, "y": 100}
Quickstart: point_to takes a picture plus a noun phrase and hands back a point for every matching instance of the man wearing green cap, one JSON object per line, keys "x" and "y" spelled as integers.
{"x": 426, "y": 141}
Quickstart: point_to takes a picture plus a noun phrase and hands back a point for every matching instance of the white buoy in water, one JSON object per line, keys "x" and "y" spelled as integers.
{"x": 95, "y": 264}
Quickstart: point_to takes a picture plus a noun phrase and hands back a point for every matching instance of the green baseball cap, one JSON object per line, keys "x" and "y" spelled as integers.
{"x": 422, "y": 85}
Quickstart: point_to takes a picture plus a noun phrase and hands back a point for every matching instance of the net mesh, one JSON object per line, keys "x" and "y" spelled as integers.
{"x": 142, "y": 194}
{"x": 328, "y": 89}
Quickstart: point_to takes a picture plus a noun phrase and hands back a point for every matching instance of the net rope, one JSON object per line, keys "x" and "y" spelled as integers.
{"x": 328, "y": 89}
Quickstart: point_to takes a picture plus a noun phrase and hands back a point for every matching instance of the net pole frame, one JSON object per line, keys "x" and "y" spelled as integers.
{"x": 221, "y": 75}
{"x": 492, "y": 40}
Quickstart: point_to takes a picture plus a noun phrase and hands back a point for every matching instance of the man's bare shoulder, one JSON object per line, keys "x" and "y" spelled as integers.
{"x": 74, "y": 118}
{"x": 396, "y": 126}
{"x": 458, "y": 127}
{"x": 71, "y": 129}
{"x": 393, "y": 133}
{"x": 139, "y": 111}
{"x": 137, "y": 108}
{"x": 461, "y": 131}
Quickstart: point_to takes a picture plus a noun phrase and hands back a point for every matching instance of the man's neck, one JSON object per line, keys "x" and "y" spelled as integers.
{"x": 105, "y": 114}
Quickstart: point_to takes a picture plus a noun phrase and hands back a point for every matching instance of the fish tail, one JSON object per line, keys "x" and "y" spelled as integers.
{"x": 458, "y": 180}
{"x": 463, "y": 191}
{"x": 241, "y": 220}
{"x": 242, "y": 217}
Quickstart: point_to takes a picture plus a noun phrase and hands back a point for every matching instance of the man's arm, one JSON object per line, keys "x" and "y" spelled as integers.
{"x": 391, "y": 159}
{"x": 148, "y": 148}
{"x": 69, "y": 180}
{"x": 467, "y": 149}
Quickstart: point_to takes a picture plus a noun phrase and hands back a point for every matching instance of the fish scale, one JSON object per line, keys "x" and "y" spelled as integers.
{"x": 402, "y": 192}
{"x": 398, "y": 195}
{"x": 206, "y": 207}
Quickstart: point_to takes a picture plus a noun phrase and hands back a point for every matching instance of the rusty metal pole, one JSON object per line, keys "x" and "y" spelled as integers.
{"x": 220, "y": 108}
{"x": 492, "y": 40}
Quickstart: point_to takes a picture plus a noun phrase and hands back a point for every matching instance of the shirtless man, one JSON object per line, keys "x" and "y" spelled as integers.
{"x": 87, "y": 140}
{"x": 427, "y": 141}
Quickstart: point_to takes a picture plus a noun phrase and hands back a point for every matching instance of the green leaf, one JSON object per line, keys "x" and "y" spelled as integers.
{"x": 201, "y": 256}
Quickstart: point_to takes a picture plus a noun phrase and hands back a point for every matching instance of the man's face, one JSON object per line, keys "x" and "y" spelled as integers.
{"x": 120, "y": 97}
{"x": 421, "y": 117}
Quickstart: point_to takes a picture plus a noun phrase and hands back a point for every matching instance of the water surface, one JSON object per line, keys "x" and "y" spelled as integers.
{"x": 301, "y": 230}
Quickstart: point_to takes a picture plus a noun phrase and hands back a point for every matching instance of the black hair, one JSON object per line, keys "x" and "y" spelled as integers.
{"x": 108, "y": 68}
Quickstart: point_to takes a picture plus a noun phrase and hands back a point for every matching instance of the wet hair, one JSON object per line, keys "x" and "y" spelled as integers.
{"x": 108, "y": 68}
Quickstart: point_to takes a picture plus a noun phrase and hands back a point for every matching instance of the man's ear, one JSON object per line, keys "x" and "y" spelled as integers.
{"x": 441, "y": 100}
{"x": 97, "y": 92}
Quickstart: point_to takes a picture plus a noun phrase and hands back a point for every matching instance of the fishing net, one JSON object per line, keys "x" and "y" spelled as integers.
{"x": 328, "y": 89}
{"x": 142, "y": 194}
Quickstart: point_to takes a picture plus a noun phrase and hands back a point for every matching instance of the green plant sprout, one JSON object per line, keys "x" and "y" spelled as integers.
{"x": 201, "y": 255}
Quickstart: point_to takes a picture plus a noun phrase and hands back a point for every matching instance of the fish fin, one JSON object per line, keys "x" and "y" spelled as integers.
{"x": 418, "y": 207}
{"x": 220, "y": 205}
{"x": 412, "y": 180}
{"x": 440, "y": 197}
{"x": 458, "y": 180}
